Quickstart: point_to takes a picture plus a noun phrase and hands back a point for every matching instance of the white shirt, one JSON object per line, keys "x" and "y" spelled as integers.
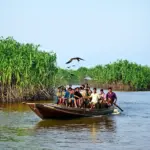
{"x": 83, "y": 93}
{"x": 95, "y": 97}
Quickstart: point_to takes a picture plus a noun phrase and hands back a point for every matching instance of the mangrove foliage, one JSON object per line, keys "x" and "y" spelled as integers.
{"x": 25, "y": 71}
{"x": 122, "y": 74}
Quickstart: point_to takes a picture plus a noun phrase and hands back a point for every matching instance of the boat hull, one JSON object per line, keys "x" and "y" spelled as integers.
{"x": 54, "y": 111}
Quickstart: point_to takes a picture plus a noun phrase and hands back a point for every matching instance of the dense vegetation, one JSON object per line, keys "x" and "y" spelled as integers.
{"x": 28, "y": 73}
{"x": 122, "y": 74}
{"x": 25, "y": 72}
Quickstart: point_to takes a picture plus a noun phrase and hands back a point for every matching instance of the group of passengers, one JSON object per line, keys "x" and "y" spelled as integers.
{"x": 83, "y": 96}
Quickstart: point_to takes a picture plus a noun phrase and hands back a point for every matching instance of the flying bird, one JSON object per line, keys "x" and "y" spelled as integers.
{"x": 75, "y": 58}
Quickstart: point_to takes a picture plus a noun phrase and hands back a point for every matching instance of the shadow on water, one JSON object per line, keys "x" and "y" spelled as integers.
{"x": 94, "y": 128}
{"x": 103, "y": 122}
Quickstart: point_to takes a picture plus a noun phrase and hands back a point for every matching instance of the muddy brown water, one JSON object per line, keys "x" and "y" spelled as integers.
{"x": 21, "y": 129}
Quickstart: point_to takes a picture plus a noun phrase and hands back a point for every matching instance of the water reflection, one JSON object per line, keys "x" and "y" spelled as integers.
{"x": 105, "y": 122}
{"x": 93, "y": 133}
{"x": 102, "y": 122}
{"x": 94, "y": 128}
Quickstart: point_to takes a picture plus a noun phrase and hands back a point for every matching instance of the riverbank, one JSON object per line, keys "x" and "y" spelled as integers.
{"x": 117, "y": 87}
{"x": 19, "y": 95}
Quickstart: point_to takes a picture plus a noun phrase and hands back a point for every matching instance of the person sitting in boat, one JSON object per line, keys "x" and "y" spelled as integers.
{"x": 82, "y": 91}
{"x": 102, "y": 95}
{"x": 59, "y": 95}
{"x": 78, "y": 97}
{"x": 66, "y": 96}
{"x": 62, "y": 99}
{"x": 72, "y": 101}
{"x": 95, "y": 97}
{"x": 86, "y": 99}
{"x": 102, "y": 101}
{"x": 89, "y": 91}
{"x": 111, "y": 97}
{"x": 86, "y": 86}
{"x": 83, "y": 86}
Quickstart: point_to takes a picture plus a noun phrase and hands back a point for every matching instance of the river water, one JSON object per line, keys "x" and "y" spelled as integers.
{"x": 21, "y": 129}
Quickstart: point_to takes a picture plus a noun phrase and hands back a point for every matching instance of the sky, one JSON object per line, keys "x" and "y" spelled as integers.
{"x": 100, "y": 31}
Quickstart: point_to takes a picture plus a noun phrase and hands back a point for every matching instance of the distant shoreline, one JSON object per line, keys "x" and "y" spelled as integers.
{"x": 116, "y": 87}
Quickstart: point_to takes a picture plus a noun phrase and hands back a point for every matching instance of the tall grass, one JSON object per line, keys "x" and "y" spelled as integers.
{"x": 25, "y": 71}
{"x": 122, "y": 73}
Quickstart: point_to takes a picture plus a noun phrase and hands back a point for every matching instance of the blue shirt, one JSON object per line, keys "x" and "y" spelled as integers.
{"x": 67, "y": 95}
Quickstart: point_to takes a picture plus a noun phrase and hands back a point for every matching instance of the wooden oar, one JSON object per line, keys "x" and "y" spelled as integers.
{"x": 118, "y": 106}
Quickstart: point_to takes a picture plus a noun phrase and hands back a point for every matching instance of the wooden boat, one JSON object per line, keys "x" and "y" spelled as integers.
{"x": 54, "y": 111}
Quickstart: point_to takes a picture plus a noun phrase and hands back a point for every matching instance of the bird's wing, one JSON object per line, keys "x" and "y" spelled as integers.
{"x": 69, "y": 61}
{"x": 78, "y": 58}
{"x": 81, "y": 58}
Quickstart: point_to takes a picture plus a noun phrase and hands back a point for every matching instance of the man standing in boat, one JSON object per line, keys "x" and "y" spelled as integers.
{"x": 111, "y": 97}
